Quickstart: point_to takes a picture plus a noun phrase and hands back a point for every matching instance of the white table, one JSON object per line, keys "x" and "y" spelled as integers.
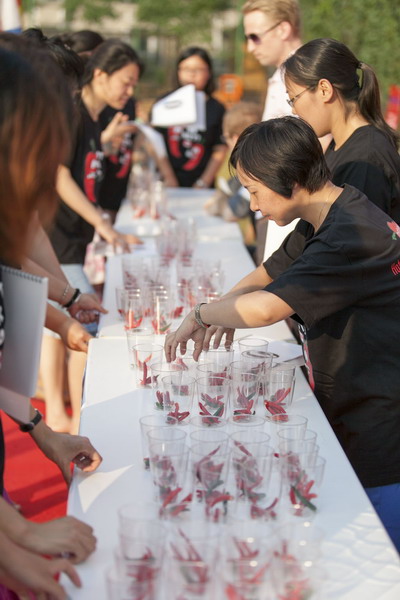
{"x": 182, "y": 203}
{"x": 111, "y": 409}
{"x": 110, "y": 414}
{"x": 236, "y": 263}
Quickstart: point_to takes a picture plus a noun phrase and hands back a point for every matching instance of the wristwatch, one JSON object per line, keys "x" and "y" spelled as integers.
{"x": 32, "y": 424}
{"x": 197, "y": 316}
{"x": 200, "y": 183}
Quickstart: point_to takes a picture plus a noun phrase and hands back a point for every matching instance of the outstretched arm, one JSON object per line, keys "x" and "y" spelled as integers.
{"x": 254, "y": 281}
{"x": 254, "y": 309}
{"x": 73, "y": 196}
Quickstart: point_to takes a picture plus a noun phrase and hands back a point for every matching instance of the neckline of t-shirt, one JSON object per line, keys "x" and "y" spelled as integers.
{"x": 355, "y": 132}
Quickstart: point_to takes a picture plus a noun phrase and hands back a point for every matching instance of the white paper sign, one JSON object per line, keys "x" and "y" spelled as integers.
{"x": 178, "y": 108}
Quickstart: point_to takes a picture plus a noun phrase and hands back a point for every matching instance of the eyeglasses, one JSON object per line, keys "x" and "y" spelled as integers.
{"x": 256, "y": 37}
{"x": 291, "y": 101}
{"x": 195, "y": 71}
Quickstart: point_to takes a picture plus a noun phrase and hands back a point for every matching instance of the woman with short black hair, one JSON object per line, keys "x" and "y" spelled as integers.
{"x": 339, "y": 280}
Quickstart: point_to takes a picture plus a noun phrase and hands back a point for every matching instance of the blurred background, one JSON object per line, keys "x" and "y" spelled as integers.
{"x": 159, "y": 29}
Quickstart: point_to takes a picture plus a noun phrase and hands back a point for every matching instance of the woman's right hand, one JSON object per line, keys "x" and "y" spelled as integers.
{"x": 218, "y": 333}
{"x": 25, "y": 572}
{"x": 114, "y": 237}
{"x": 74, "y": 335}
{"x": 67, "y": 537}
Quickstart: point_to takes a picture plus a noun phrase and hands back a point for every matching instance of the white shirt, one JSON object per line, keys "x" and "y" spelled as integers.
{"x": 275, "y": 102}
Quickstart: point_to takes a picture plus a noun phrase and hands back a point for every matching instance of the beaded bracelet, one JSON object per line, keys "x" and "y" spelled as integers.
{"x": 64, "y": 294}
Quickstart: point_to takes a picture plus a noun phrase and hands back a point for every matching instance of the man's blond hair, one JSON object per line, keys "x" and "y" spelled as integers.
{"x": 277, "y": 10}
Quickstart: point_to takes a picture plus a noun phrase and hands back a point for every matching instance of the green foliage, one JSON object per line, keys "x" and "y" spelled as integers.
{"x": 92, "y": 10}
{"x": 181, "y": 18}
{"x": 371, "y": 28}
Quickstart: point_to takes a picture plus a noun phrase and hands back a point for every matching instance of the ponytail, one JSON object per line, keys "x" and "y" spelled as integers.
{"x": 329, "y": 59}
{"x": 369, "y": 103}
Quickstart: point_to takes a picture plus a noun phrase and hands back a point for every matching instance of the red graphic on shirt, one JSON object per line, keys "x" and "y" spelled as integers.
{"x": 174, "y": 134}
{"x": 395, "y": 268}
{"x": 197, "y": 152}
{"x": 124, "y": 160}
{"x": 395, "y": 228}
{"x": 93, "y": 171}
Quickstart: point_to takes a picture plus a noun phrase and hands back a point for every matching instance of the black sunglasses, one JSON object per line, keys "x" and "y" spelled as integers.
{"x": 256, "y": 37}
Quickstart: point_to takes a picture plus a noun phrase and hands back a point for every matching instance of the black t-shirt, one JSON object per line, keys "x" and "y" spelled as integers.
{"x": 369, "y": 162}
{"x": 189, "y": 150}
{"x": 116, "y": 167}
{"x": 70, "y": 233}
{"x": 344, "y": 285}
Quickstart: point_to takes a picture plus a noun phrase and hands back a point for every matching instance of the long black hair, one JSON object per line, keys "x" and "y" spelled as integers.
{"x": 112, "y": 55}
{"x": 203, "y": 54}
{"x": 280, "y": 153}
{"x": 329, "y": 59}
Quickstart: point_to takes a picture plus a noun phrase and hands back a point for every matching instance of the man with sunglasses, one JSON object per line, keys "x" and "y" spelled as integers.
{"x": 272, "y": 32}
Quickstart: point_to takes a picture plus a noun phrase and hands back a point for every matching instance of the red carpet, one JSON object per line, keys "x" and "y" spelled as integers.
{"x": 31, "y": 480}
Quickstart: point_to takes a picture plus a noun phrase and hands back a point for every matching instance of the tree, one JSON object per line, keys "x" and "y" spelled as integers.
{"x": 181, "y": 18}
{"x": 371, "y": 28}
{"x": 92, "y": 10}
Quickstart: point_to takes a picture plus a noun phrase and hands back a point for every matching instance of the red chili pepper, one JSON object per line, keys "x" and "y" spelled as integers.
{"x": 171, "y": 496}
{"x": 203, "y": 410}
{"x": 92, "y": 172}
{"x": 125, "y": 159}
{"x": 232, "y": 593}
{"x": 394, "y": 227}
{"x": 177, "y": 312}
{"x": 173, "y": 141}
{"x": 132, "y": 323}
{"x": 220, "y": 498}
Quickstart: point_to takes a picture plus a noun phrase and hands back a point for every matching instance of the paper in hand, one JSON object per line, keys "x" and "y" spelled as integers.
{"x": 178, "y": 108}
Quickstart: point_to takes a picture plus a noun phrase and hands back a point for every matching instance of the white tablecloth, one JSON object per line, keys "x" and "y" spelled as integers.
{"x": 112, "y": 406}
{"x": 110, "y": 414}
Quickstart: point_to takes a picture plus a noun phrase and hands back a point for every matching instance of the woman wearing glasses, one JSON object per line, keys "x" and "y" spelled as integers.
{"x": 336, "y": 93}
{"x": 196, "y": 154}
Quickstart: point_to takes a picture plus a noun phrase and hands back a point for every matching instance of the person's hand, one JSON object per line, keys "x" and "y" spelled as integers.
{"x": 188, "y": 329}
{"x": 127, "y": 239}
{"x": 86, "y": 308}
{"x": 24, "y": 572}
{"x": 74, "y": 335}
{"x": 67, "y": 537}
{"x": 63, "y": 448}
{"x": 113, "y": 134}
{"x": 114, "y": 237}
{"x": 218, "y": 333}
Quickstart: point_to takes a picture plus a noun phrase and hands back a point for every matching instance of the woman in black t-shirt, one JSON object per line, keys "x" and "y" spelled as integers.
{"x": 110, "y": 77}
{"x": 340, "y": 280}
{"x": 196, "y": 155}
{"x": 34, "y": 140}
{"x": 339, "y": 95}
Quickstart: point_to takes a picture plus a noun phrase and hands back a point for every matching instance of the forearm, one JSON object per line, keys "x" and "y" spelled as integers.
{"x": 59, "y": 289}
{"x": 249, "y": 310}
{"x": 42, "y": 253}
{"x": 167, "y": 172}
{"x": 256, "y": 280}
{"x": 213, "y": 165}
{"x": 72, "y": 195}
{"x": 12, "y": 523}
